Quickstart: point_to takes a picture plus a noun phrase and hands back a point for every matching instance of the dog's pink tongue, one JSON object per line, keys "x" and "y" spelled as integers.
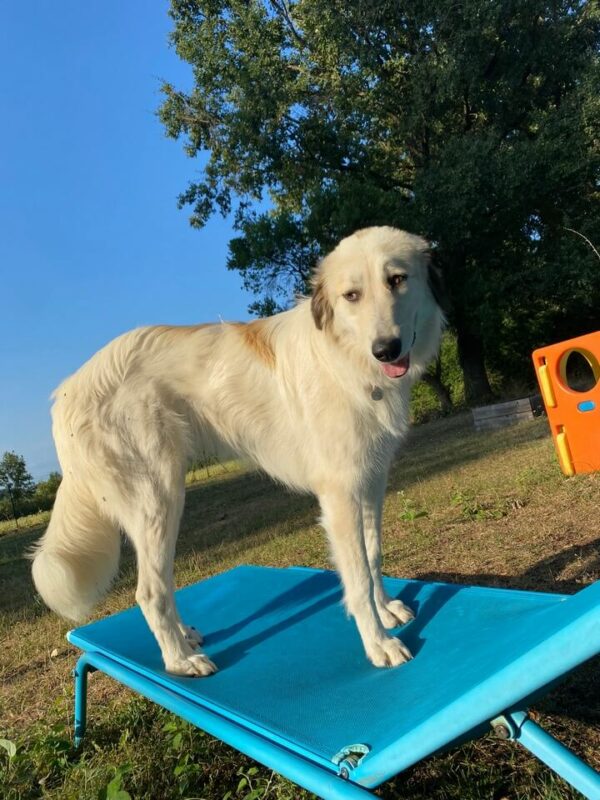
{"x": 396, "y": 369}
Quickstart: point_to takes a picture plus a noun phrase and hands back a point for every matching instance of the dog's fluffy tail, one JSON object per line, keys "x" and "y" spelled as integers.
{"x": 76, "y": 560}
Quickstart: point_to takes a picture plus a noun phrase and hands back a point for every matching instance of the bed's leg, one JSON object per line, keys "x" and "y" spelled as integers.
{"x": 80, "y": 674}
{"x": 576, "y": 772}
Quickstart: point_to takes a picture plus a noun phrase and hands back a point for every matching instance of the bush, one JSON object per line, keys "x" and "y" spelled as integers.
{"x": 425, "y": 404}
{"x": 42, "y": 499}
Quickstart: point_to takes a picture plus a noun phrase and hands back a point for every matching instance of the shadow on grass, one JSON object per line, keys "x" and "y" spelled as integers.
{"x": 239, "y": 507}
{"x": 540, "y": 576}
{"x": 217, "y": 514}
{"x": 234, "y": 508}
{"x": 577, "y": 698}
{"x": 251, "y": 505}
{"x": 16, "y": 586}
{"x": 450, "y": 443}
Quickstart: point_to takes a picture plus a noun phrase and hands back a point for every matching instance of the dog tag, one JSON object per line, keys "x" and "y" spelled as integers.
{"x": 377, "y": 393}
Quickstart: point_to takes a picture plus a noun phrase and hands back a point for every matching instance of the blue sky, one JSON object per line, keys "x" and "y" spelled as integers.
{"x": 91, "y": 240}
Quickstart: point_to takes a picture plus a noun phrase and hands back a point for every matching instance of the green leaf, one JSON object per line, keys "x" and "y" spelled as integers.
{"x": 10, "y": 747}
{"x": 114, "y": 791}
{"x": 254, "y": 794}
{"x": 176, "y": 742}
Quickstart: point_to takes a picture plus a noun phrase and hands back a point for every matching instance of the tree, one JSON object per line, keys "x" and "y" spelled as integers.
{"x": 473, "y": 123}
{"x": 45, "y": 491}
{"x": 15, "y": 479}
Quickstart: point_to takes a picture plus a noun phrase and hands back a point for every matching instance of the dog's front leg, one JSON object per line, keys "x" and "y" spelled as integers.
{"x": 342, "y": 519}
{"x": 391, "y": 612}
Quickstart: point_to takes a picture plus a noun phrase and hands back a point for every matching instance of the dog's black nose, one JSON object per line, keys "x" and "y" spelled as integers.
{"x": 387, "y": 349}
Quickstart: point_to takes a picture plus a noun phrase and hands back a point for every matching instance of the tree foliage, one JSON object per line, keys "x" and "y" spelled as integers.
{"x": 14, "y": 477}
{"x": 15, "y": 482}
{"x": 473, "y": 123}
{"x": 19, "y": 494}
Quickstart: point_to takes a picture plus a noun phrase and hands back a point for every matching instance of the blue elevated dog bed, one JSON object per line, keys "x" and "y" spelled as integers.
{"x": 295, "y": 691}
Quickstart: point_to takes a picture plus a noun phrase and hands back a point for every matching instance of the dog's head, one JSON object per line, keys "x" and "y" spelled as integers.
{"x": 377, "y": 294}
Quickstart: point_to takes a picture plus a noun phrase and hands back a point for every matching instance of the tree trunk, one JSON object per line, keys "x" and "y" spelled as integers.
{"x": 14, "y": 508}
{"x": 434, "y": 380}
{"x": 470, "y": 355}
{"x": 463, "y": 317}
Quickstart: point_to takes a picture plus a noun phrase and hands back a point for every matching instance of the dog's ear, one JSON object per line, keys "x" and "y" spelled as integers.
{"x": 435, "y": 280}
{"x": 321, "y": 308}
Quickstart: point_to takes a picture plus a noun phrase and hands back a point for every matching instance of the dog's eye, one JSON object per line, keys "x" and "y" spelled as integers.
{"x": 352, "y": 297}
{"x": 397, "y": 280}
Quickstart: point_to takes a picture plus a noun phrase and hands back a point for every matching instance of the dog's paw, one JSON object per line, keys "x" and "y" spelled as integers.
{"x": 395, "y": 613}
{"x": 388, "y": 652}
{"x": 197, "y": 665}
{"x": 192, "y": 636}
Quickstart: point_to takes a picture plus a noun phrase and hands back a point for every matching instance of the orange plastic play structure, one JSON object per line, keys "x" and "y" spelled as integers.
{"x": 573, "y": 414}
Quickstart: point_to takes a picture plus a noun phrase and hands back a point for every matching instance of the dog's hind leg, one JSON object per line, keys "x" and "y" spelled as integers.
{"x": 153, "y": 530}
{"x": 343, "y": 523}
{"x": 391, "y": 612}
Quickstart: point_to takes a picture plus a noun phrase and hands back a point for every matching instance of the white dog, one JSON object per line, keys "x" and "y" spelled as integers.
{"x": 317, "y": 397}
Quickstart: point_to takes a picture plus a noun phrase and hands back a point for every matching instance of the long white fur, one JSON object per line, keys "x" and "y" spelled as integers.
{"x": 294, "y": 394}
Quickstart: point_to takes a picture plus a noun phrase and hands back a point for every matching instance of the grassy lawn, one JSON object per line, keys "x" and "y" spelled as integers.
{"x": 24, "y": 523}
{"x": 488, "y": 509}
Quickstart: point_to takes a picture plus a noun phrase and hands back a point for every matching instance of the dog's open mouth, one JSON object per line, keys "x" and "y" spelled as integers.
{"x": 398, "y": 368}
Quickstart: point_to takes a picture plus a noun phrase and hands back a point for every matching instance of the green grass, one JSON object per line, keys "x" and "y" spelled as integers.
{"x": 490, "y": 509}
{"x": 23, "y": 523}
{"x": 210, "y": 472}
